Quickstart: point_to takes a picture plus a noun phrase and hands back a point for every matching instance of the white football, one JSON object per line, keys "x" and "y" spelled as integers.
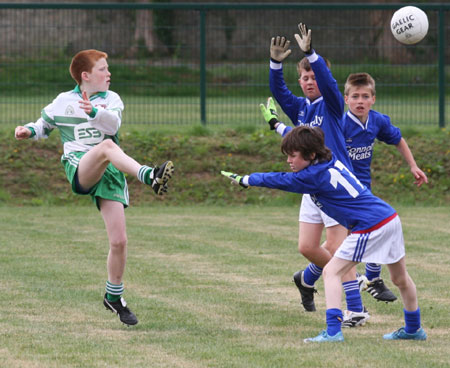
{"x": 409, "y": 25}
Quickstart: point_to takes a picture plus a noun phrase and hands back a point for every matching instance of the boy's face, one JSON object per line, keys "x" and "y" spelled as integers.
{"x": 360, "y": 101}
{"x": 99, "y": 77}
{"x": 297, "y": 162}
{"x": 309, "y": 86}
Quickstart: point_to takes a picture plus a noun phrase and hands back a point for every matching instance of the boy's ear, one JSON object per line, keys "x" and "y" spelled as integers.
{"x": 346, "y": 99}
{"x": 85, "y": 76}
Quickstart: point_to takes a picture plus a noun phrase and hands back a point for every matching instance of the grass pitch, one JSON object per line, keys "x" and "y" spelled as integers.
{"x": 211, "y": 287}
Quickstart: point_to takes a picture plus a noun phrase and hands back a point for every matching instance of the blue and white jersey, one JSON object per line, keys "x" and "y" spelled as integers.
{"x": 325, "y": 112}
{"x": 334, "y": 189}
{"x": 360, "y": 139}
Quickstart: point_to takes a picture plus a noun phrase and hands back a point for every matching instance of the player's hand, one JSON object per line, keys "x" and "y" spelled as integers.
{"x": 304, "y": 38}
{"x": 419, "y": 176}
{"x": 279, "y": 48}
{"x": 85, "y": 104}
{"x": 22, "y": 133}
{"x": 270, "y": 113}
{"x": 235, "y": 178}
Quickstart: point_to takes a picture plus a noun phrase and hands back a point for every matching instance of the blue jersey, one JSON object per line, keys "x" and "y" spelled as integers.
{"x": 334, "y": 189}
{"x": 360, "y": 139}
{"x": 325, "y": 112}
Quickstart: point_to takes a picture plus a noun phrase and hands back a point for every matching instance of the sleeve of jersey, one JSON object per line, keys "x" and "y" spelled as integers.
{"x": 288, "y": 182}
{"x": 388, "y": 133}
{"x": 285, "y": 98}
{"x": 109, "y": 119}
{"x": 42, "y": 128}
{"x": 327, "y": 85}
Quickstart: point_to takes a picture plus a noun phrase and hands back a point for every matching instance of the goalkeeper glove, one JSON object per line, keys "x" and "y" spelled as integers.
{"x": 270, "y": 113}
{"x": 235, "y": 178}
{"x": 304, "y": 38}
{"x": 279, "y": 48}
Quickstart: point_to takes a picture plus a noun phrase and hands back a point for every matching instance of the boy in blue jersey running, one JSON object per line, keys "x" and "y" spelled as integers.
{"x": 323, "y": 107}
{"x": 375, "y": 229}
{"x": 88, "y": 118}
{"x": 362, "y": 126}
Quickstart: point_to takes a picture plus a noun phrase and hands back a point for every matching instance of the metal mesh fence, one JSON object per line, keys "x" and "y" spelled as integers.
{"x": 192, "y": 63}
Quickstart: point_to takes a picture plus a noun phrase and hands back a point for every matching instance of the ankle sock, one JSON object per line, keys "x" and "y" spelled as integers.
{"x": 113, "y": 291}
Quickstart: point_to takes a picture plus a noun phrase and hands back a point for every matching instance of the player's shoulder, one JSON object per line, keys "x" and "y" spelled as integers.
{"x": 63, "y": 96}
{"x": 378, "y": 116}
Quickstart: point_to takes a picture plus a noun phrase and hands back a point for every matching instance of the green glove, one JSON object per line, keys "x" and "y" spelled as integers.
{"x": 270, "y": 113}
{"x": 304, "y": 39}
{"x": 235, "y": 178}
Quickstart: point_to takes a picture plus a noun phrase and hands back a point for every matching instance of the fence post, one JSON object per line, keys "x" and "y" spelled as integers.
{"x": 441, "y": 72}
{"x": 203, "y": 67}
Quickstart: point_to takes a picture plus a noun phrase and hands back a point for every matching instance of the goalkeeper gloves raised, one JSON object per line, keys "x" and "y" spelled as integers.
{"x": 304, "y": 38}
{"x": 279, "y": 48}
{"x": 270, "y": 113}
{"x": 235, "y": 178}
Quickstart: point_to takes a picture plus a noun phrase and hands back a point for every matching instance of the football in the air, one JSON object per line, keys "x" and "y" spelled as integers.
{"x": 409, "y": 25}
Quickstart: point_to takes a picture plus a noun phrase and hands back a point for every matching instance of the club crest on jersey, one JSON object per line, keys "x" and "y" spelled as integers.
{"x": 69, "y": 110}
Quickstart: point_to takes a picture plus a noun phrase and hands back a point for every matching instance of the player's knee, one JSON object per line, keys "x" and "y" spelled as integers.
{"x": 331, "y": 246}
{"x": 118, "y": 244}
{"x": 402, "y": 281}
{"x": 107, "y": 144}
{"x": 305, "y": 249}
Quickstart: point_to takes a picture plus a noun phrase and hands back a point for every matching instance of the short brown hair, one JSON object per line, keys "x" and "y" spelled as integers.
{"x": 84, "y": 62}
{"x": 304, "y": 64}
{"x": 359, "y": 80}
{"x": 309, "y": 141}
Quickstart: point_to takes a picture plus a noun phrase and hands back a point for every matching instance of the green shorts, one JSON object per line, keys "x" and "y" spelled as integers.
{"x": 112, "y": 185}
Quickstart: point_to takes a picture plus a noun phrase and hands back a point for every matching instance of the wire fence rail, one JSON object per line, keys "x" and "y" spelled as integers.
{"x": 187, "y": 63}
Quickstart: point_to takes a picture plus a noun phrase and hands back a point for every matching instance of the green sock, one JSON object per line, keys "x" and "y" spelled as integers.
{"x": 113, "y": 291}
{"x": 145, "y": 174}
{"x": 112, "y": 298}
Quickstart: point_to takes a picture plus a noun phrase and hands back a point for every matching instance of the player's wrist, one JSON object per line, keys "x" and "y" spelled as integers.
{"x": 93, "y": 112}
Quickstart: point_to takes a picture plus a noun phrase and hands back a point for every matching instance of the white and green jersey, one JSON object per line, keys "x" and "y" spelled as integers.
{"x": 80, "y": 132}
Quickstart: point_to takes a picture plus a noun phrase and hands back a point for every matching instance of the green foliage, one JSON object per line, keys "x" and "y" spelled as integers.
{"x": 31, "y": 172}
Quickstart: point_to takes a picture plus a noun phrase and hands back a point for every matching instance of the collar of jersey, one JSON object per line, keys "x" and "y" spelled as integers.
{"x": 318, "y": 99}
{"x": 356, "y": 120}
{"x": 98, "y": 94}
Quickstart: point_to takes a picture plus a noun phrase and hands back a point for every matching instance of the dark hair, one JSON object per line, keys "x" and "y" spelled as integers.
{"x": 309, "y": 141}
{"x": 84, "y": 61}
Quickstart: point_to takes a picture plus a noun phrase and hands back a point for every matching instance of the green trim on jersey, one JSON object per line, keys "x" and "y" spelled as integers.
{"x": 77, "y": 89}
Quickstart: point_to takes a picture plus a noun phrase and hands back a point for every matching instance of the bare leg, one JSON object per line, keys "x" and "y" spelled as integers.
{"x": 335, "y": 237}
{"x": 309, "y": 243}
{"x": 93, "y": 164}
{"x": 332, "y": 277}
{"x": 401, "y": 279}
{"x": 114, "y": 217}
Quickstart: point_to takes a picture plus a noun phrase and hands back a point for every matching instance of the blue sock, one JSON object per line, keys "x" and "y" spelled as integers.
{"x": 353, "y": 296}
{"x": 373, "y": 271}
{"x": 412, "y": 320}
{"x": 334, "y": 321}
{"x": 311, "y": 274}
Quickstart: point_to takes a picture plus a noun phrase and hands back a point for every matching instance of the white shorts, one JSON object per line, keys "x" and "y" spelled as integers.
{"x": 310, "y": 213}
{"x": 384, "y": 245}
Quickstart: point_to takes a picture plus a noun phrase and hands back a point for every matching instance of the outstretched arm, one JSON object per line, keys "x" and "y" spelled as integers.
{"x": 419, "y": 176}
{"x": 22, "y": 132}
